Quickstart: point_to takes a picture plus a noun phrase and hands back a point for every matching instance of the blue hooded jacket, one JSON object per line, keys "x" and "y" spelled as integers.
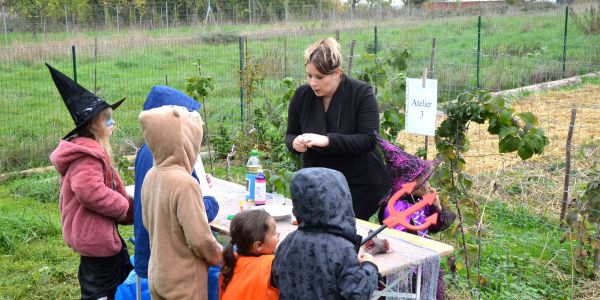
{"x": 159, "y": 96}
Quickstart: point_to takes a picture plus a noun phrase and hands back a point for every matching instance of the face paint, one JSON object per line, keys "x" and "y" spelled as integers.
{"x": 109, "y": 123}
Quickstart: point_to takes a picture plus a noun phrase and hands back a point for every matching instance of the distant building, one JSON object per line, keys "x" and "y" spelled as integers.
{"x": 457, "y": 4}
{"x": 398, "y": 4}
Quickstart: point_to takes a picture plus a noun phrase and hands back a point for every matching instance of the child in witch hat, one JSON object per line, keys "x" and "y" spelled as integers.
{"x": 93, "y": 199}
{"x": 404, "y": 168}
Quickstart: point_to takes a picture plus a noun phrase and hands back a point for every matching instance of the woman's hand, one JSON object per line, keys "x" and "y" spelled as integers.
{"x": 317, "y": 140}
{"x": 299, "y": 144}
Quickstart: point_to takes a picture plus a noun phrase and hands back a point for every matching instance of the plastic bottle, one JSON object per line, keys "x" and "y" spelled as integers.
{"x": 252, "y": 168}
{"x": 260, "y": 189}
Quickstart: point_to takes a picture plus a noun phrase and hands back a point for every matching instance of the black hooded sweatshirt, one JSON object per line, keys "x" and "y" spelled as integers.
{"x": 319, "y": 260}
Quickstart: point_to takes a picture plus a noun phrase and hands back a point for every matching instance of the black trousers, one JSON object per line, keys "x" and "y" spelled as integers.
{"x": 100, "y": 276}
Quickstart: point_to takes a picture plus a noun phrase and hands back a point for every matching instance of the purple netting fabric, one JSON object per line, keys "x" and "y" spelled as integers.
{"x": 417, "y": 218}
{"x": 402, "y": 166}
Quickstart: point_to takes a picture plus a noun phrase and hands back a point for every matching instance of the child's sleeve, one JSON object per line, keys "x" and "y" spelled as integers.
{"x": 192, "y": 218}
{"x": 357, "y": 281}
{"x": 87, "y": 183}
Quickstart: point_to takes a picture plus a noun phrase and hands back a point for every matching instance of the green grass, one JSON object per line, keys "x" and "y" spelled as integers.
{"x": 36, "y": 263}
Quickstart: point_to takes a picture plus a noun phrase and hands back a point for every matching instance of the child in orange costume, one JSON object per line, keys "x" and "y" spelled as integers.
{"x": 249, "y": 257}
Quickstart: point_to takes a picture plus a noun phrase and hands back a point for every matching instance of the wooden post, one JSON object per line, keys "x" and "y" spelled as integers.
{"x": 66, "y": 20}
{"x": 431, "y": 61}
{"x": 118, "y": 25}
{"x": 321, "y": 12}
{"x": 432, "y": 58}
{"x": 565, "y": 200}
{"x": 350, "y": 57}
{"x": 250, "y": 12}
{"x": 167, "y": 13}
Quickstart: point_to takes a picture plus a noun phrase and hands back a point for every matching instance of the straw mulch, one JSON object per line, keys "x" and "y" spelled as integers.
{"x": 553, "y": 109}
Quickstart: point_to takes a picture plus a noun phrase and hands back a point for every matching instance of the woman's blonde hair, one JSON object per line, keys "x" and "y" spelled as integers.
{"x": 325, "y": 55}
{"x": 96, "y": 129}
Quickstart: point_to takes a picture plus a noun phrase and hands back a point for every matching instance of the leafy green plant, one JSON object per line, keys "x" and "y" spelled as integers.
{"x": 125, "y": 170}
{"x": 516, "y": 132}
{"x": 587, "y": 213}
{"x": 388, "y": 75}
{"x": 199, "y": 87}
{"x": 251, "y": 76}
{"x": 270, "y": 125}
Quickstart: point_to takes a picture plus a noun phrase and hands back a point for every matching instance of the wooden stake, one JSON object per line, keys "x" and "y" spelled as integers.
{"x": 565, "y": 201}
{"x": 350, "y": 57}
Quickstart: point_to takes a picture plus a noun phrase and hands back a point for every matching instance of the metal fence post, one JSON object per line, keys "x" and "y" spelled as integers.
{"x": 74, "y": 63}
{"x": 564, "y": 60}
{"x": 95, "y": 64}
{"x": 242, "y": 91}
{"x": 375, "y": 44}
{"x": 478, "y": 48}
{"x": 4, "y": 23}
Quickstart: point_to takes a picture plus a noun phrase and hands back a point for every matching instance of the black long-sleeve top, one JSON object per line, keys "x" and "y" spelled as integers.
{"x": 350, "y": 122}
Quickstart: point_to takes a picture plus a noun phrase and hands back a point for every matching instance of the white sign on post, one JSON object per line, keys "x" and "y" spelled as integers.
{"x": 421, "y": 106}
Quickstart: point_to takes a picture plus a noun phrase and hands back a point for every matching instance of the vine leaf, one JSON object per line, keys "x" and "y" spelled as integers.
{"x": 528, "y": 117}
{"x": 509, "y": 144}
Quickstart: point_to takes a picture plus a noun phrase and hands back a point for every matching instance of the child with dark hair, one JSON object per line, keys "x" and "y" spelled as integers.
{"x": 320, "y": 260}
{"x": 405, "y": 168}
{"x": 249, "y": 257}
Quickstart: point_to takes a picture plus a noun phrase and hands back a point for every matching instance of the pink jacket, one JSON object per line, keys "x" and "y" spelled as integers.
{"x": 89, "y": 206}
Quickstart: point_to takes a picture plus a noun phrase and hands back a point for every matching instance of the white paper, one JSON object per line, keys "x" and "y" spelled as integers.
{"x": 204, "y": 187}
{"x": 421, "y": 106}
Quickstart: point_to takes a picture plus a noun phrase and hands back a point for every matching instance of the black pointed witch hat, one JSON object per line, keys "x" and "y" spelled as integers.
{"x": 82, "y": 104}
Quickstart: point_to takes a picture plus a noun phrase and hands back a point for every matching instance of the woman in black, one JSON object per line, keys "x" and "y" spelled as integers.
{"x": 332, "y": 121}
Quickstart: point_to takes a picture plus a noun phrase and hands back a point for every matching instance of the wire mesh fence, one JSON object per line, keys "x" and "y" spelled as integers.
{"x": 515, "y": 50}
{"x": 503, "y": 50}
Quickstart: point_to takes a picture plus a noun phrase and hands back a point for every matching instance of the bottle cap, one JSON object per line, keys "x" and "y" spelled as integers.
{"x": 254, "y": 152}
